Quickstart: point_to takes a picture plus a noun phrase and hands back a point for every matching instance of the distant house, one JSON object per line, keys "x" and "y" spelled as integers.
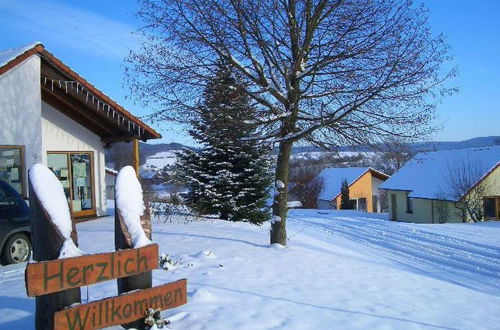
{"x": 363, "y": 187}
{"x": 51, "y": 115}
{"x": 433, "y": 187}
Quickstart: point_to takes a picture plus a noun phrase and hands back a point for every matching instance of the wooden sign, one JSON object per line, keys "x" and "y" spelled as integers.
{"x": 122, "y": 309}
{"x": 62, "y": 274}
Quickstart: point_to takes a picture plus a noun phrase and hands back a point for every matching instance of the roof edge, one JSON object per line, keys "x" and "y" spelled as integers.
{"x": 38, "y": 48}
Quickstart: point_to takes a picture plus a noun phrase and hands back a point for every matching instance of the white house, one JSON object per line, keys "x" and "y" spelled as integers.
{"x": 434, "y": 187}
{"x": 50, "y": 114}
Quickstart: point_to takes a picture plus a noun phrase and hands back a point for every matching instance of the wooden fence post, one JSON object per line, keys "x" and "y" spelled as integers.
{"x": 123, "y": 240}
{"x": 47, "y": 242}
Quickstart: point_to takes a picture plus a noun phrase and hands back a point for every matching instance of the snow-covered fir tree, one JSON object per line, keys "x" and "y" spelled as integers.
{"x": 230, "y": 175}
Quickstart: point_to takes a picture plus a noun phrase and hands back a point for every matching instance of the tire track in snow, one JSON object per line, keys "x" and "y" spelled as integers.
{"x": 469, "y": 264}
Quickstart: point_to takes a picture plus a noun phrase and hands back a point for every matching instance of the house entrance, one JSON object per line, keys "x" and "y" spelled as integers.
{"x": 75, "y": 170}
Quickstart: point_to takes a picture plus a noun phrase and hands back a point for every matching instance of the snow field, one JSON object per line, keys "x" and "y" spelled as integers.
{"x": 339, "y": 271}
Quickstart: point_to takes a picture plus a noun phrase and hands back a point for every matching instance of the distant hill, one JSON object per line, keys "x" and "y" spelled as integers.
{"x": 149, "y": 149}
{"x": 478, "y": 142}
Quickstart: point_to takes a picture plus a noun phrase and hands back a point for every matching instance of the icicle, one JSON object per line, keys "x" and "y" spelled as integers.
{"x": 66, "y": 86}
{"x": 52, "y": 84}
{"x": 45, "y": 80}
{"x": 87, "y": 97}
{"x": 93, "y": 99}
{"x": 59, "y": 83}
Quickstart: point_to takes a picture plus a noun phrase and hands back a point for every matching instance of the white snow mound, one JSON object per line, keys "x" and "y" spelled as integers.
{"x": 130, "y": 204}
{"x": 69, "y": 249}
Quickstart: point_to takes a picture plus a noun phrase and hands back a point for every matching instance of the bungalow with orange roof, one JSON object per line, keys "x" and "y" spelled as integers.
{"x": 363, "y": 187}
{"x": 50, "y": 114}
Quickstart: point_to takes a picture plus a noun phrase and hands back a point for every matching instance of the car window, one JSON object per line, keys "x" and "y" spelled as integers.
{"x": 6, "y": 199}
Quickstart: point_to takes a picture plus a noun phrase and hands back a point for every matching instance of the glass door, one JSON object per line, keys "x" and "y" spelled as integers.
{"x": 75, "y": 171}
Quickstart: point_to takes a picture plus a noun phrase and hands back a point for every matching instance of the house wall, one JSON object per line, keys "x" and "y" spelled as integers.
{"x": 490, "y": 185}
{"x": 376, "y": 191}
{"x": 20, "y": 110}
{"x": 61, "y": 133}
{"x": 424, "y": 210}
{"x": 362, "y": 188}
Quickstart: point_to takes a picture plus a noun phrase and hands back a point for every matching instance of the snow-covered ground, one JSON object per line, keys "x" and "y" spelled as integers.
{"x": 341, "y": 270}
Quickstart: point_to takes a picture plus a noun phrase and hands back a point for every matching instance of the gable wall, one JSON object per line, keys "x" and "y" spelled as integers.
{"x": 61, "y": 133}
{"x": 20, "y": 110}
{"x": 362, "y": 188}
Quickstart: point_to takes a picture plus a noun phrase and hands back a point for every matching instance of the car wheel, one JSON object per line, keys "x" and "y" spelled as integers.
{"x": 17, "y": 249}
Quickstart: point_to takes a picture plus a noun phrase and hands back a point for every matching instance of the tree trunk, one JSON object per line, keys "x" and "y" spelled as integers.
{"x": 280, "y": 209}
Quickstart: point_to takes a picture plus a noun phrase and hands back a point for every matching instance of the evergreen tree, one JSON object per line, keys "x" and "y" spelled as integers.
{"x": 345, "y": 201}
{"x": 230, "y": 175}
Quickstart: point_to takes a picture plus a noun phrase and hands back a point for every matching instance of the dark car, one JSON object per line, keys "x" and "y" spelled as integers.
{"x": 14, "y": 226}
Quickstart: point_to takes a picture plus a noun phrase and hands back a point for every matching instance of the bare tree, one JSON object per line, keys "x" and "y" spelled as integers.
{"x": 307, "y": 190}
{"x": 391, "y": 156}
{"x": 327, "y": 72}
{"x": 465, "y": 186}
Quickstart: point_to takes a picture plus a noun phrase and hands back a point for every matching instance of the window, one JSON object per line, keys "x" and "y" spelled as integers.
{"x": 409, "y": 204}
{"x": 491, "y": 210}
{"x": 12, "y": 167}
{"x": 75, "y": 171}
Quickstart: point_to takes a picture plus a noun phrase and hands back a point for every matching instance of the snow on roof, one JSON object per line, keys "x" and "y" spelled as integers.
{"x": 427, "y": 175}
{"x": 129, "y": 202}
{"x": 334, "y": 176}
{"x": 8, "y": 55}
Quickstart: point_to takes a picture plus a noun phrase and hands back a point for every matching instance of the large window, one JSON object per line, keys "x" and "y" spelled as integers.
{"x": 75, "y": 171}
{"x": 12, "y": 167}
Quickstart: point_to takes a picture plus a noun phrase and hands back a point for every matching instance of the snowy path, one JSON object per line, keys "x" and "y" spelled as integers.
{"x": 425, "y": 248}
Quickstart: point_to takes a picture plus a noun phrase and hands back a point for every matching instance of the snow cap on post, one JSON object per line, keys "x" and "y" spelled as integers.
{"x": 130, "y": 204}
{"x": 50, "y": 193}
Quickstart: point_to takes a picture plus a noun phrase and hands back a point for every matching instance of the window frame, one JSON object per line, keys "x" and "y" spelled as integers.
{"x": 22, "y": 156}
{"x": 496, "y": 205}
{"x": 84, "y": 213}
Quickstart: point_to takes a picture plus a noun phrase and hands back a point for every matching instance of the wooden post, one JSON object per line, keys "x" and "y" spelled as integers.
{"x": 123, "y": 240}
{"x": 47, "y": 242}
{"x": 135, "y": 151}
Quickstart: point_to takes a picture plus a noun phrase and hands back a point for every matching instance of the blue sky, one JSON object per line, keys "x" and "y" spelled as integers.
{"x": 93, "y": 37}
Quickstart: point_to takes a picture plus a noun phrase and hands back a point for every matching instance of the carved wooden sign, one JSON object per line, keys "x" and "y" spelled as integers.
{"x": 123, "y": 308}
{"x": 62, "y": 274}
